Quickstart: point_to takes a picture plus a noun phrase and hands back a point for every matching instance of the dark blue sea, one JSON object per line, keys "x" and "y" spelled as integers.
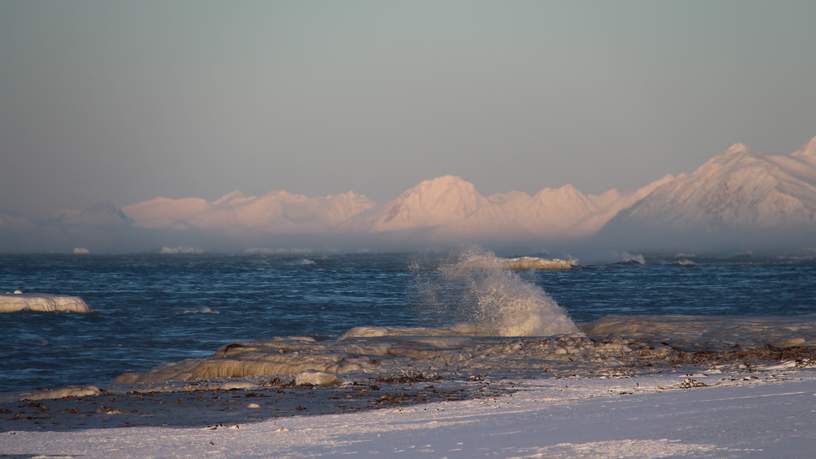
{"x": 150, "y": 309}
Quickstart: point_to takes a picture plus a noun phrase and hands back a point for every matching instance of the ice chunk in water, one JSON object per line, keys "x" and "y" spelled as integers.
{"x": 41, "y": 302}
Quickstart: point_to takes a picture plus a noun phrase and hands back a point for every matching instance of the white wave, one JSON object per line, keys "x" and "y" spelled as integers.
{"x": 304, "y": 262}
{"x": 180, "y": 250}
{"x": 500, "y": 302}
{"x": 277, "y": 251}
{"x": 81, "y": 251}
{"x": 685, "y": 262}
{"x": 201, "y": 310}
{"x": 627, "y": 257}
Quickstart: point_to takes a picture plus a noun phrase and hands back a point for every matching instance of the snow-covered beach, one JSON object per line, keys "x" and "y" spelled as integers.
{"x": 762, "y": 412}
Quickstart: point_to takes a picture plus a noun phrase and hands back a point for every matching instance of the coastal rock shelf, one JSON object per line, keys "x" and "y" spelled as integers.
{"x": 40, "y": 302}
{"x": 611, "y": 346}
{"x": 708, "y": 333}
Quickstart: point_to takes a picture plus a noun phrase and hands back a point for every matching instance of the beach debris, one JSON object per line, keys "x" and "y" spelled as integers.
{"x": 108, "y": 410}
{"x": 690, "y": 383}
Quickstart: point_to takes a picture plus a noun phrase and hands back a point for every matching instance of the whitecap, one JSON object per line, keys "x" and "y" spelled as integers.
{"x": 200, "y": 310}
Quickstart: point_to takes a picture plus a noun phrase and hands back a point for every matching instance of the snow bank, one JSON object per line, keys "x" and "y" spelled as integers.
{"x": 40, "y": 302}
{"x": 653, "y": 416}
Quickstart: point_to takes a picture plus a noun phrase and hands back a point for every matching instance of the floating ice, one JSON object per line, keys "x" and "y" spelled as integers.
{"x": 40, "y": 302}
{"x": 540, "y": 263}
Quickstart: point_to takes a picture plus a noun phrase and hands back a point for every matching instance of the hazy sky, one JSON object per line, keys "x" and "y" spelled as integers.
{"x": 122, "y": 101}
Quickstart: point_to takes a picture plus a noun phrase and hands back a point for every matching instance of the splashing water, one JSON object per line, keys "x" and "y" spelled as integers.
{"x": 500, "y": 302}
{"x": 627, "y": 257}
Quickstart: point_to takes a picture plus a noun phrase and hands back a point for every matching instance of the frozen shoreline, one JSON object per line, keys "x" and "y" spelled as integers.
{"x": 765, "y": 413}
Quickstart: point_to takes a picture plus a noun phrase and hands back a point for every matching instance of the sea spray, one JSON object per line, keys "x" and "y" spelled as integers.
{"x": 499, "y": 302}
{"x": 632, "y": 258}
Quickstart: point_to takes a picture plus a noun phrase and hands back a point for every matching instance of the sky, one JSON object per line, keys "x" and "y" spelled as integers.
{"x": 121, "y": 101}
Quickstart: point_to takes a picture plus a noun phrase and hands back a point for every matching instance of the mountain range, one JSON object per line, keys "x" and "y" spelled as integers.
{"x": 737, "y": 198}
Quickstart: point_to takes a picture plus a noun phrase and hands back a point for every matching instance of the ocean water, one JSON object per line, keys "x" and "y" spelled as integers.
{"x": 151, "y": 309}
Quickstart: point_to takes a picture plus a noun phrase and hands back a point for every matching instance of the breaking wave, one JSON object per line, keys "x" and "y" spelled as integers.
{"x": 304, "y": 262}
{"x": 200, "y": 310}
{"x": 633, "y": 258}
{"x": 499, "y": 302}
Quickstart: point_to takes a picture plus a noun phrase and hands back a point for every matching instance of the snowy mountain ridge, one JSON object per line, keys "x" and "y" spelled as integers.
{"x": 734, "y": 195}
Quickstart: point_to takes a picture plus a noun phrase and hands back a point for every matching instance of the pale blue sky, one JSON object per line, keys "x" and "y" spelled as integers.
{"x": 122, "y": 101}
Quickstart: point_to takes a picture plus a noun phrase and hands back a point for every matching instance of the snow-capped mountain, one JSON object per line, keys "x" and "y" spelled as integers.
{"x": 432, "y": 203}
{"x": 12, "y": 222}
{"x": 274, "y": 212}
{"x": 450, "y": 208}
{"x": 98, "y": 215}
{"x": 735, "y": 197}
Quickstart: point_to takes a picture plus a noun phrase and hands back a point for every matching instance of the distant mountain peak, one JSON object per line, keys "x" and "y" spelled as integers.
{"x": 231, "y": 198}
{"x": 438, "y": 201}
{"x": 444, "y": 183}
{"x": 808, "y": 150}
{"x": 734, "y": 196}
{"x": 737, "y": 149}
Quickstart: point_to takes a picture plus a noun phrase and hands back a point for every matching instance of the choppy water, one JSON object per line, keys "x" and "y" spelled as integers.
{"x": 151, "y": 309}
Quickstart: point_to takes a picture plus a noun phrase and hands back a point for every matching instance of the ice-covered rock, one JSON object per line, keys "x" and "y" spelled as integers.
{"x": 41, "y": 302}
{"x": 315, "y": 378}
{"x": 708, "y": 332}
{"x": 65, "y": 392}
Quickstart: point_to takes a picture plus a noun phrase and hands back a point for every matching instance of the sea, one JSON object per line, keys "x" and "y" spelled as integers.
{"x": 150, "y": 309}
